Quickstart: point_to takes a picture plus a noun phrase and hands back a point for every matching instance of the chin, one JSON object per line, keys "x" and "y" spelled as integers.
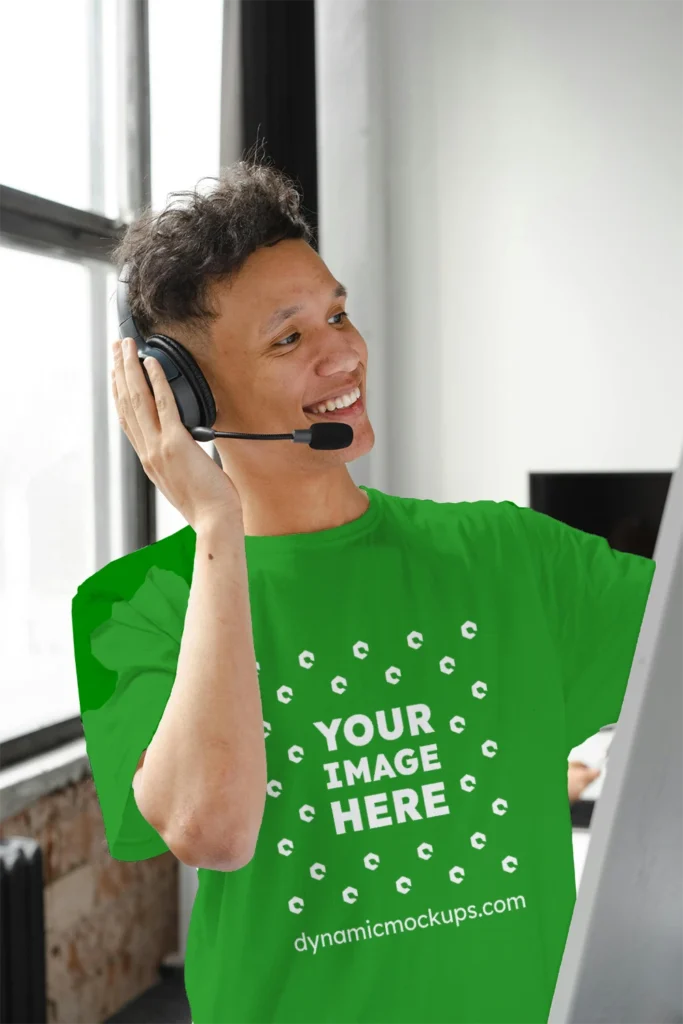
{"x": 363, "y": 442}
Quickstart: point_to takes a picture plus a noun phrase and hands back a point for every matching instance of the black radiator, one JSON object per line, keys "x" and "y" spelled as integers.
{"x": 22, "y": 933}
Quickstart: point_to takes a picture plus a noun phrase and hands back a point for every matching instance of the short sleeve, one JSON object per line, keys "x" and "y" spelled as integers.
{"x": 594, "y": 599}
{"x": 126, "y": 649}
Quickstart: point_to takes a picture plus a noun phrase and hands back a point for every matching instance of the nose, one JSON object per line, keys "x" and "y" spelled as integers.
{"x": 338, "y": 356}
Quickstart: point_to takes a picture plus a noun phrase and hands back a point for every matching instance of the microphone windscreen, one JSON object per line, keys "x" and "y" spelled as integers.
{"x": 329, "y": 436}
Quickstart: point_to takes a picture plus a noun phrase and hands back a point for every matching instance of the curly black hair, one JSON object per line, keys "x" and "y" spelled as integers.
{"x": 176, "y": 254}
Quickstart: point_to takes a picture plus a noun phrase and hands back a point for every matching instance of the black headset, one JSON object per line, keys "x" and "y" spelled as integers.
{"x": 196, "y": 405}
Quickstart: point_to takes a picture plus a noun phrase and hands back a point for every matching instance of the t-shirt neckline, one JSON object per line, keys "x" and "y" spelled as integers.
{"x": 320, "y": 538}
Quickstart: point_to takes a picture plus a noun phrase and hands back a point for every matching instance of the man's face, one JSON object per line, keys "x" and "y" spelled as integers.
{"x": 267, "y": 370}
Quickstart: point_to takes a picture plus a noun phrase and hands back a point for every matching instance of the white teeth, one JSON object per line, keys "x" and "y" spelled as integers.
{"x": 343, "y": 402}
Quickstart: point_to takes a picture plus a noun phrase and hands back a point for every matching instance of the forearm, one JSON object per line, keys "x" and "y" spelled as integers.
{"x": 203, "y": 782}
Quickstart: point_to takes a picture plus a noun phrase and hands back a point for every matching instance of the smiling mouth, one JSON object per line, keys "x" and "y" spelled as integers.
{"x": 349, "y": 412}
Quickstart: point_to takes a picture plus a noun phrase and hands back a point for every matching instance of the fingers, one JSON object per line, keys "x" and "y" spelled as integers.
{"x": 146, "y": 422}
{"x": 143, "y": 413}
{"x": 124, "y": 407}
{"x": 163, "y": 397}
{"x": 582, "y": 770}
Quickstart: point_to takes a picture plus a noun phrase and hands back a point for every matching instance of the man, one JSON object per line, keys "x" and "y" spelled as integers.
{"x": 351, "y": 711}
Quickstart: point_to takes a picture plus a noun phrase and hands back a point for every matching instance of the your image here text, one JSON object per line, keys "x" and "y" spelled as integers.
{"x": 374, "y": 810}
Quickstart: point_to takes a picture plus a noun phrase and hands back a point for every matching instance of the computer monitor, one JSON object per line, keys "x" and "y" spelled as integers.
{"x": 624, "y": 507}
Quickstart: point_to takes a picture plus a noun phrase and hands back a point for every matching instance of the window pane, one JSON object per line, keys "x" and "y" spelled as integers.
{"x": 116, "y": 440}
{"x": 47, "y": 544}
{"x": 185, "y": 94}
{"x": 59, "y": 134}
{"x": 185, "y": 88}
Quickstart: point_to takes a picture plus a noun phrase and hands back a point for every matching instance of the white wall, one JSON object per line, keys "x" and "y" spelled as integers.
{"x": 350, "y": 91}
{"x": 525, "y": 310}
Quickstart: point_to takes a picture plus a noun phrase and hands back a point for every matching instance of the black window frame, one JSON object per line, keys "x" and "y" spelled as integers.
{"x": 276, "y": 105}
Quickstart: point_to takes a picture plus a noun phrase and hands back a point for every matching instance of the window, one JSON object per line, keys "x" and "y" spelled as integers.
{"x": 58, "y": 117}
{"x": 47, "y": 543}
{"x": 185, "y": 94}
{"x": 62, "y": 513}
{"x": 61, "y": 506}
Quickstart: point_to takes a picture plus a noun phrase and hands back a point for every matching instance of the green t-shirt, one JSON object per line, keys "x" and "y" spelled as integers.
{"x": 424, "y": 671}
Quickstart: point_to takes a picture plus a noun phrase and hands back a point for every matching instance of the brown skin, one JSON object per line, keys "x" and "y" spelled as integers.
{"x": 261, "y": 386}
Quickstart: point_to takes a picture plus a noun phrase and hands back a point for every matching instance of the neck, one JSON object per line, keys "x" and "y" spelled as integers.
{"x": 321, "y": 500}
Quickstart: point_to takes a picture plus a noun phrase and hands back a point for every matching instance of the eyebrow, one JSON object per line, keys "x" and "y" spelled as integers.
{"x": 280, "y": 315}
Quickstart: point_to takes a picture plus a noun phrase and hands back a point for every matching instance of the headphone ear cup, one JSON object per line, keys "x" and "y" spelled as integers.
{"x": 193, "y": 396}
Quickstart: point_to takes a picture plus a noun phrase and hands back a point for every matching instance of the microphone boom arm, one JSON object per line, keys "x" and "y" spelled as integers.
{"x": 320, "y": 435}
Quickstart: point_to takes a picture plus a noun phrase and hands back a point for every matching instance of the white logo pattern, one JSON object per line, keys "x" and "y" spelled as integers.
{"x": 339, "y": 685}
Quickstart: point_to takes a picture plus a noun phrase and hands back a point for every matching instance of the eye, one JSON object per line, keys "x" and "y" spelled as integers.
{"x": 286, "y": 341}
